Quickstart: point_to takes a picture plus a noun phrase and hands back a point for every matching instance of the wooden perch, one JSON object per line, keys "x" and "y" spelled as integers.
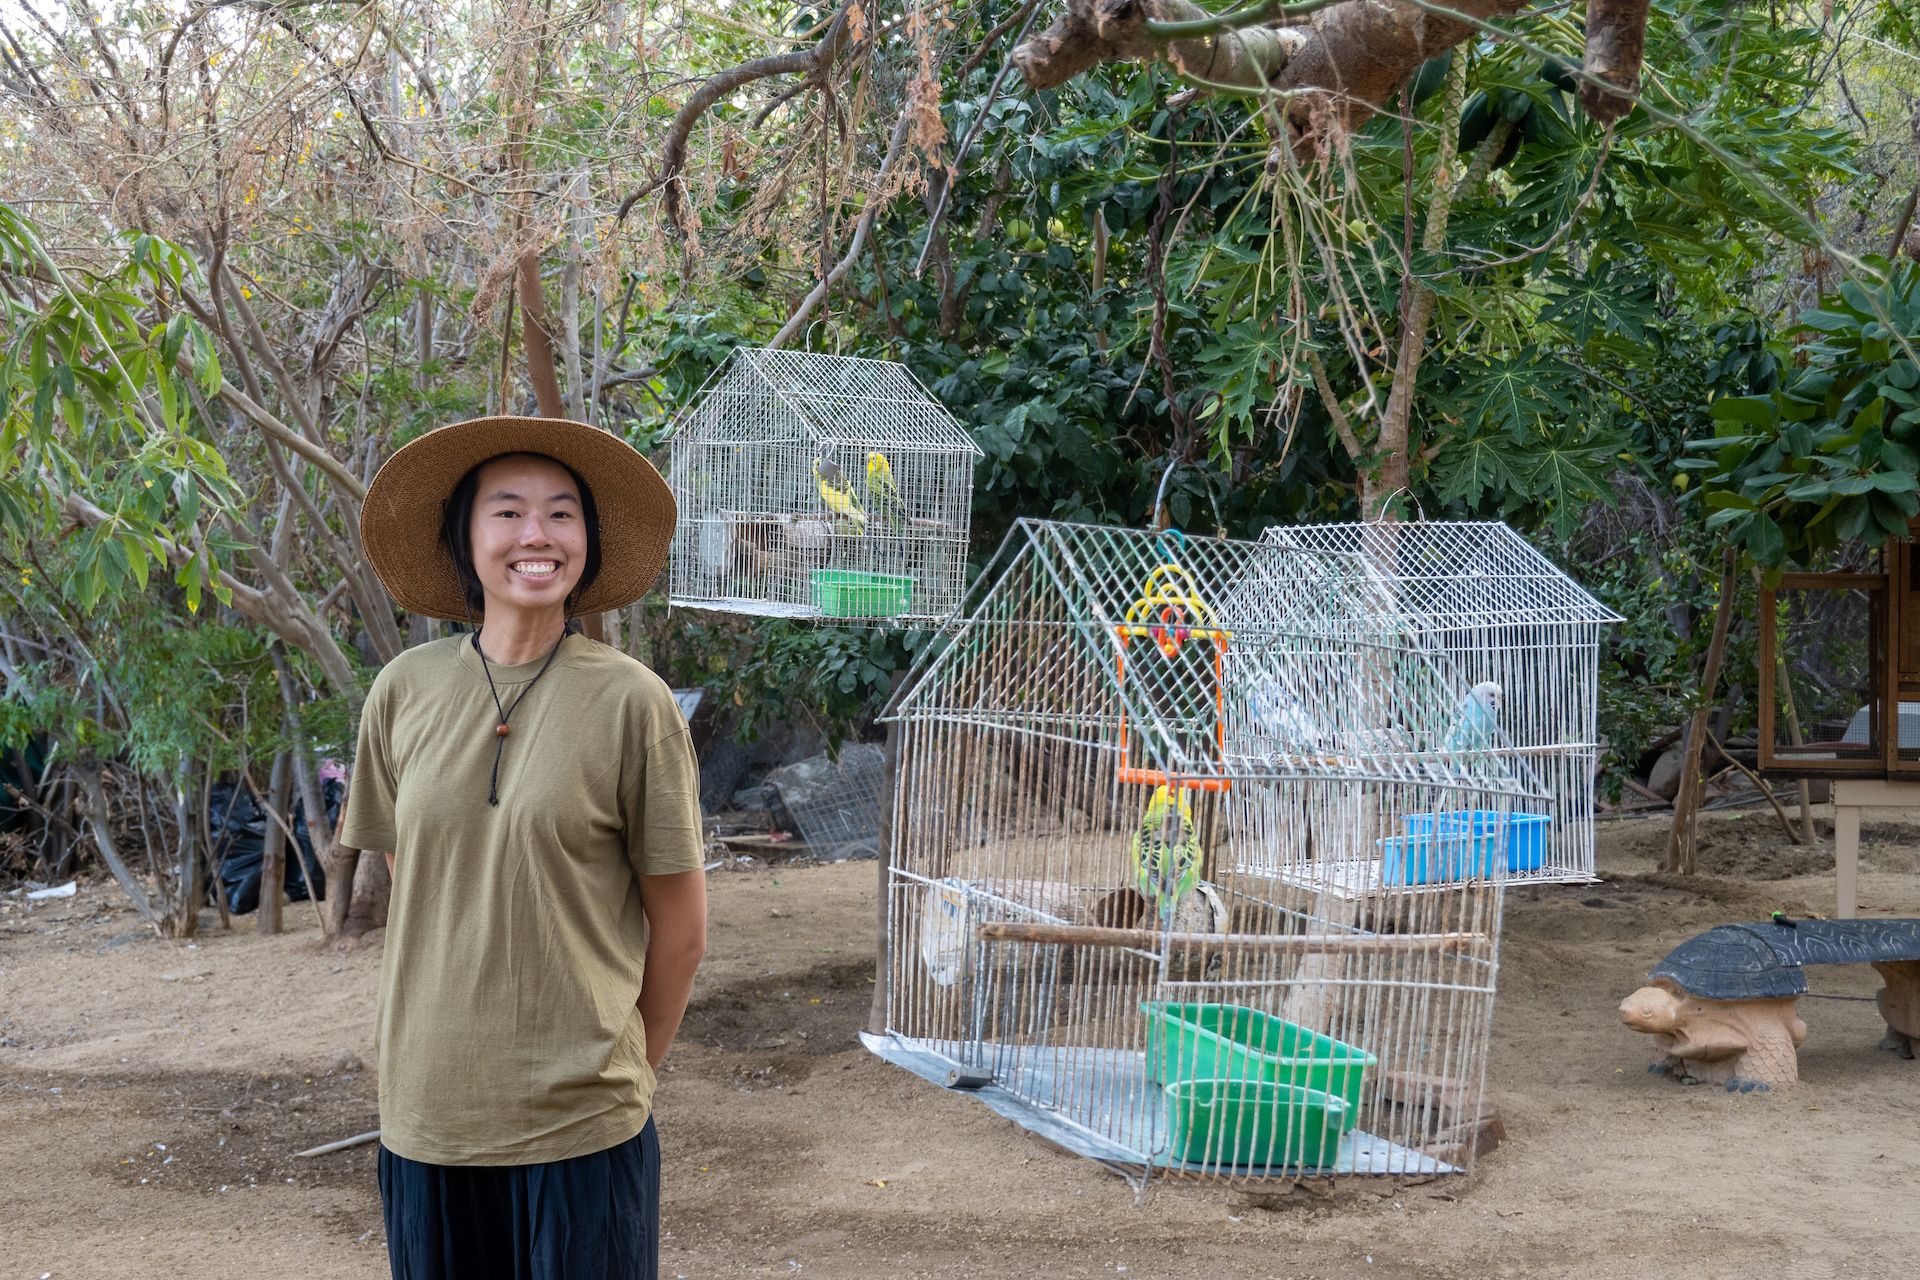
{"x": 1325, "y": 944}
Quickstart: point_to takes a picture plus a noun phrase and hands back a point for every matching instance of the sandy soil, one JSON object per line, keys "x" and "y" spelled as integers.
{"x": 151, "y": 1095}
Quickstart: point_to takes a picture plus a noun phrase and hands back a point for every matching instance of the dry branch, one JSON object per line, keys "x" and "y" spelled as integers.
{"x": 326, "y": 1148}
{"x": 811, "y": 62}
{"x": 798, "y": 320}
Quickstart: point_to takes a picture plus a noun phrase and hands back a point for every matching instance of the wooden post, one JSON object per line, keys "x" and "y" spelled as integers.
{"x": 1681, "y": 839}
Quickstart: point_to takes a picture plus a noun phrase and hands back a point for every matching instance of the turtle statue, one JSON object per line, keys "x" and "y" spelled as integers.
{"x": 1721, "y": 1007}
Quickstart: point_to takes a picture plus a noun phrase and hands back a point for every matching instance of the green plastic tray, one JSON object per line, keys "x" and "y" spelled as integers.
{"x": 1253, "y": 1123}
{"x": 1190, "y": 1042}
{"x": 852, "y": 593}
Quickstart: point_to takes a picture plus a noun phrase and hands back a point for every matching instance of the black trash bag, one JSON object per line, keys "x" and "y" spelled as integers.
{"x": 239, "y": 842}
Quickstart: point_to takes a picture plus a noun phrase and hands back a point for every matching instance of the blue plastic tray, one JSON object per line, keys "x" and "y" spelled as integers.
{"x": 1522, "y": 837}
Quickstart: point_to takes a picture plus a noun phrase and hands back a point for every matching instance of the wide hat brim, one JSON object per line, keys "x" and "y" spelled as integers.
{"x": 400, "y": 520}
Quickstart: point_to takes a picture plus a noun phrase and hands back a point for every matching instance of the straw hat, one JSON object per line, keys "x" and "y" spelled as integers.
{"x": 400, "y": 520}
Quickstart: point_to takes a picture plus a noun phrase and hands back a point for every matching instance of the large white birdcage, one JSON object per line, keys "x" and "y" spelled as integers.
{"x": 819, "y": 486}
{"x": 1197, "y": 862}
{"x": 1507, "y": 617}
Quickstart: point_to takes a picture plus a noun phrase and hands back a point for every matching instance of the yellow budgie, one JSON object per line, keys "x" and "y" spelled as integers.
{"x": 1166, "y": 851}
{"x": 838, "y": 497}
{"x": 884, "y": 493}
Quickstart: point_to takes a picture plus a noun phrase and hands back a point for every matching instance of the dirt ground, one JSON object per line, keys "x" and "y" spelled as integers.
{"x": 152, "y": 1094}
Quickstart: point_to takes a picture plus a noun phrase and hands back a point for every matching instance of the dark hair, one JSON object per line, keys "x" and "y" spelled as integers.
{"x": 456, "y": 531}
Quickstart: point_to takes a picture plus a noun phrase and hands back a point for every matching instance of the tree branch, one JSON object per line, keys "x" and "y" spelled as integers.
{"x": 798, "y": 320}
{"x": 674, "y": 156}
{"x": 1339, "y": 66}
{"x": 1336, "y": 413}
{"x": 259, "y": 417}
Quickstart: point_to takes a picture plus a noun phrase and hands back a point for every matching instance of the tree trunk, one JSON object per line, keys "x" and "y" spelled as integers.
{"x": 92, "y": 803}
{"x": 273, "y": 855}
{"x": 1616, "y": 44}
{"x": 372, "y": 888}
{"x": 185, "y": 912}
{"x": 341, "y": 864}
{"x": 1394, "y": 456}
{"x": 537, "y": 340}
{"x": 1681, "y": 840}
{"x": 313, "y": 805}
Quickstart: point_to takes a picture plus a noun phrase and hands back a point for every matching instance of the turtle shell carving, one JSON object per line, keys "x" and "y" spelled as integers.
{"x": 1765, "y": 961}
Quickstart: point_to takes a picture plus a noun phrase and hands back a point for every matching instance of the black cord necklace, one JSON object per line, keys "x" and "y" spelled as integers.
{"x": 501, "y": 730}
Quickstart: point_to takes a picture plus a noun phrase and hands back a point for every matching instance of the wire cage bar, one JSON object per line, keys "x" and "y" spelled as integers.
{"x": 839, "y": 803}
{"x": 1197, "y": 861}
{"x": 821, "y": 487}
{"x": 1505, "y": 616}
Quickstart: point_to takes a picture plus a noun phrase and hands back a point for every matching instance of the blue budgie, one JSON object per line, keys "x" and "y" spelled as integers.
{"x": 1478, "y": 722}
{"x": 1277, "y": 713}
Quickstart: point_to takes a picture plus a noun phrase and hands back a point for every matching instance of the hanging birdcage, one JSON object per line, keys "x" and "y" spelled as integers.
{"x": 819, "y": 486}
{"x": 1511, "y": 621}
{"x": 1196, "y": 867}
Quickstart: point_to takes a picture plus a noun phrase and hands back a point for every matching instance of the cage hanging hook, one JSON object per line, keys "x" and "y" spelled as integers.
{"x": 806, "y": 337}
{"x": 1380, "y": 516}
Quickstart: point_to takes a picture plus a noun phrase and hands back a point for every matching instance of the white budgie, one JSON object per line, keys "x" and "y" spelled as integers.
{"x": 1479, "y": 720}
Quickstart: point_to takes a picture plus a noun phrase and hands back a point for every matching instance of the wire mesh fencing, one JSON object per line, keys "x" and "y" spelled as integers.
{"x": 835, "y": 803}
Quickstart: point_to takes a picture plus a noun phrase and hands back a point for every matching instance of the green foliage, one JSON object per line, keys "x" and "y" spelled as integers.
{"x": 772, "y": 671}
{"x": 1584, "y": 295}
{"x": 1829, "y": 452}
{"x": 1664, "y": 587}
{"x": 144, "y": 682}
{"x": 98, "y": 402}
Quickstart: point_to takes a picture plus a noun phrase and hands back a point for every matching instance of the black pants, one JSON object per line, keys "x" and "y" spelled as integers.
{"x": 594, "y": 1217}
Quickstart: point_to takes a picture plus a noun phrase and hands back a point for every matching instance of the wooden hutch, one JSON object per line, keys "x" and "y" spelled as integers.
{"x": 1840, "y": 690}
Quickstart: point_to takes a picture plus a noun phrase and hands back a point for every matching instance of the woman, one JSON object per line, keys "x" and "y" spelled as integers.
{"x": 536, "y": 795}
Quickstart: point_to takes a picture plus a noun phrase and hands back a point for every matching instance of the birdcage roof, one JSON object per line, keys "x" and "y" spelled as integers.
{"x": 1306, "y": 667}
{"x": 1448, "y": 575}
{"x": 763, "y": 395}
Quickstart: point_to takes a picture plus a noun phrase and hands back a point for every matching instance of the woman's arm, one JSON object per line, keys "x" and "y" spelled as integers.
{"x": 676, "y": 907}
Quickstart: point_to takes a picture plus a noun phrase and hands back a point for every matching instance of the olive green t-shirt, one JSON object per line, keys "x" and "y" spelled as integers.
{"x": 515, "y": 938}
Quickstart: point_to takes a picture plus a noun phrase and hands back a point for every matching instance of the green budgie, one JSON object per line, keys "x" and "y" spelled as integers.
{"x": 884, "y": 494}
{"x": 1166, "y": 852}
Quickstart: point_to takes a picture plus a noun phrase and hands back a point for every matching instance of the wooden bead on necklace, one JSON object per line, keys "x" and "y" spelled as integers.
{"x": 502, "y": 730}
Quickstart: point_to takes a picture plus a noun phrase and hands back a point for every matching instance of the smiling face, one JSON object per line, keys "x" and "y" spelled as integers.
{"x": 527, "y": 535}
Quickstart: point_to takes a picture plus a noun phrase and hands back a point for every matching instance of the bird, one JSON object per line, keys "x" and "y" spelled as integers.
{"x": 838, "y": 497}
{"x": 1166, "y": 851}
{"x": 1278, "y": 714}
{"x": 750, "y": 557}
{"x": 1478, "y": 721}
{"x": 884, "y": 493}
{"x": 803, "y": 534}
